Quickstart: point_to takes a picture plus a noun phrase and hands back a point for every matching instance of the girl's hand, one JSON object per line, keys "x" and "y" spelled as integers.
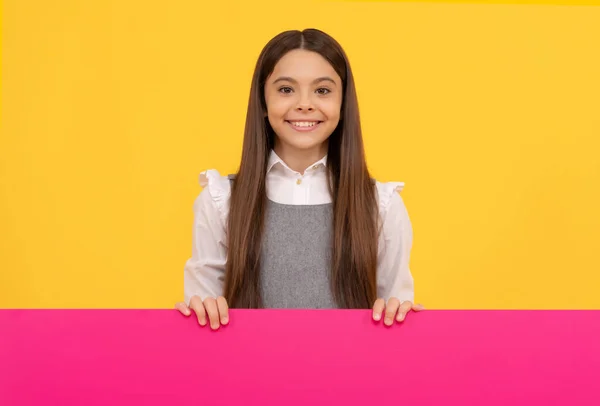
{"x": 394, "y": 309}
{"x": 217, "y": 310}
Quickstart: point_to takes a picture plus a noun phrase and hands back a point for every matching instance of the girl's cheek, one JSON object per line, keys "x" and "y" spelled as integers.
{"x": 333, "y": 107}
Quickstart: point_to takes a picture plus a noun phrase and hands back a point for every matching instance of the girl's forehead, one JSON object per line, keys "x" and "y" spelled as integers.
{"x": 301, "y": 64}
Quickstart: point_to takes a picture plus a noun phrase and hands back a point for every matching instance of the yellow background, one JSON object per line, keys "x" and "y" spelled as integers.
{"x": 489, "y": 113}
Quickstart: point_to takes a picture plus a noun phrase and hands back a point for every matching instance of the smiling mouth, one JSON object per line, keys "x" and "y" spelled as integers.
{"x": 304, "y": 124}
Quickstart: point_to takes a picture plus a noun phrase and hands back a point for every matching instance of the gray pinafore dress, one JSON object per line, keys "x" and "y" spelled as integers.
{"x": 296, "y": 256}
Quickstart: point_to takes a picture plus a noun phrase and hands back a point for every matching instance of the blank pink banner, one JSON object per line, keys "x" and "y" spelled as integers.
{"x": 298, "y": 357}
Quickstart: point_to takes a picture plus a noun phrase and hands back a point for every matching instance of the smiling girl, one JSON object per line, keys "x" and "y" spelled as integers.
{"x": 302, "y": 224}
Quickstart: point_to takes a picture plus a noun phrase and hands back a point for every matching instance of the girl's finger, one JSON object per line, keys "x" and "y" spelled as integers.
{"x": 223, "y": 309}
{"x": 183, "y": 309}
{"x": 198, "y": 308}
{"x": 418, "y": 307}
{"x": 378, "y": 309}
{"x": 390, "y": 311}
{"x": 404, "y": 308}
{"x": 210, "y": 304}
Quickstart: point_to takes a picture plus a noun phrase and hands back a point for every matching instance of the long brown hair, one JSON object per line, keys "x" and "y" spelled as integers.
{"x": 355, "y": 212}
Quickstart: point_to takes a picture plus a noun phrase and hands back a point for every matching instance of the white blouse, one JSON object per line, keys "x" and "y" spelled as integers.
{"x": 204, "y": 272}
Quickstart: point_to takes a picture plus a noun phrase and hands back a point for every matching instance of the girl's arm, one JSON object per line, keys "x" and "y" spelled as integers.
{"x": 204, "y": 272}
{"x": 394, "y": 276}
{"x": 395, "y": 287}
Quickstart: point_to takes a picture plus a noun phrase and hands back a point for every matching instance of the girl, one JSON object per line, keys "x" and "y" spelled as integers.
{"x": 302, "y": 224}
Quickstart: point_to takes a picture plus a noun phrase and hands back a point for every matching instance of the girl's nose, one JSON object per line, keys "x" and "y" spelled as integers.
{"x": 304, "y": 107}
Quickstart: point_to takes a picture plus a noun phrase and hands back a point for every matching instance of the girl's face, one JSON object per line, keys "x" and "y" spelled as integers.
{"x": 304, "y": 100}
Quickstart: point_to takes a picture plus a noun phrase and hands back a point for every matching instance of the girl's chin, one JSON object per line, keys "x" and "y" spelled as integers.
{"x": 301, "y": 142}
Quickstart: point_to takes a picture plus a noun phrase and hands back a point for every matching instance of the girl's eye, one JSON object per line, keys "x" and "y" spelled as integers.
{"x": 323, "y": 91}
{"x": 285, "y": 90}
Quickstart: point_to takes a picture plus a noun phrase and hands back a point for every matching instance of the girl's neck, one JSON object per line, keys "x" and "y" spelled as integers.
{"x": 300, "y": 160}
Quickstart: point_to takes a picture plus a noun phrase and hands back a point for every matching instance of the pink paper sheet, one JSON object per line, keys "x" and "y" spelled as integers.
{"x": 299, "y": 357}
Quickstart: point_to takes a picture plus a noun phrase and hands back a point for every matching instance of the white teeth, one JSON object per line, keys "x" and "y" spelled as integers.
{"x": 304, "y": 123}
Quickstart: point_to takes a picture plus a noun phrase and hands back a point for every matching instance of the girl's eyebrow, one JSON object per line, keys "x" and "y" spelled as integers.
{"x": 292, "y": 80}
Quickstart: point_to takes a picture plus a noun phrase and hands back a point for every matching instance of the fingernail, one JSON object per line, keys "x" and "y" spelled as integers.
{"x": 224, "y": 320}
{"x": 400, "y": 317}
{"x": 214, "y": 326}
{"x": 202, "y": 323}
{"x": 388, "y": 321}
{"x": 376, "y": 316}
